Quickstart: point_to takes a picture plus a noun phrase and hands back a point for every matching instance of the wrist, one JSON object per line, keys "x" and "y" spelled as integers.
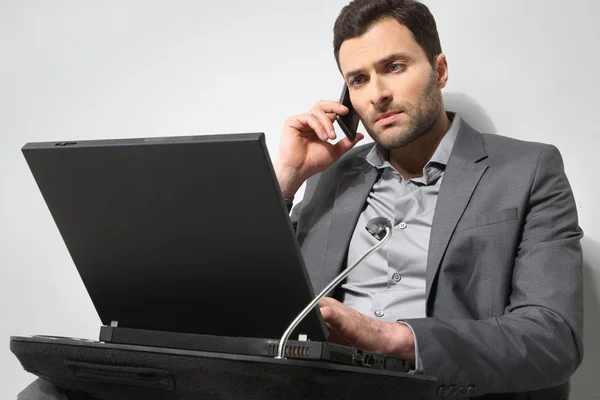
{"x": 289, "y": 180}
{"x": 401, "y": 342}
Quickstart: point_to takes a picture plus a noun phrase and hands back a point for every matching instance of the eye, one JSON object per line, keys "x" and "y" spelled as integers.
{"x": 359, "y": 80}
{"x": 395, "y": 67}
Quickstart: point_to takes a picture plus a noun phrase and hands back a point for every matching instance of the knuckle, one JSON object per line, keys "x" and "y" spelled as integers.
{"x": 320, "y": 105}
{"x": 291, "y": 119}
{"x": 317, "y": 113}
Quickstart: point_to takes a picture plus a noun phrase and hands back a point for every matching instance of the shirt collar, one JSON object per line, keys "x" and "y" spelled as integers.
{"x": 442, "y": 153}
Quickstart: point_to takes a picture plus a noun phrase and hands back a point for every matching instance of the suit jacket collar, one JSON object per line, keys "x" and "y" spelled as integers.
{"x": 462, "y": 174}
{"x": 352, "y": 191}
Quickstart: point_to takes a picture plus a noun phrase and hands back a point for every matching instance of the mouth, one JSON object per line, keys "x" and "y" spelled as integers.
{"x": 387, "y": 118}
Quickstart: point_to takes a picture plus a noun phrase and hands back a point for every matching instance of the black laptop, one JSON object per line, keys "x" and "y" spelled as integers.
{"x": 186, "y": 243}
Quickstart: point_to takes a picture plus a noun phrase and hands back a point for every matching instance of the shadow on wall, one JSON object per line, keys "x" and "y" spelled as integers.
{"x": 584, "y": 384}
{"x": 470, "y": 111}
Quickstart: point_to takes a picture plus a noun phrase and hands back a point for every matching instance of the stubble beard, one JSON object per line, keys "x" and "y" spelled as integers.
{"x": 422, "y": 117}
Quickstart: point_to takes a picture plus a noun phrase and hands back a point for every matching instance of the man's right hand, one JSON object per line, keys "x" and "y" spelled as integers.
{"x": 304, "y": 149}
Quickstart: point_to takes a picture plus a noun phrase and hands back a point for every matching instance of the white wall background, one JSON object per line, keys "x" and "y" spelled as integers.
{"x": 72, "y": 69}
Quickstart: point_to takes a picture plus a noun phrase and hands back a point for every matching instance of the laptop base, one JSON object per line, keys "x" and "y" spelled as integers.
{"x": 307, "y": 350}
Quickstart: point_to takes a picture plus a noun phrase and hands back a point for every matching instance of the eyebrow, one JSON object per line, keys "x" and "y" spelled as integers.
{"x": 385, "y": 60}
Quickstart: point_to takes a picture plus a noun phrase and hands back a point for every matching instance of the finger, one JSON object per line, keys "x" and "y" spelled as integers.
{"x": 328, "y": 302}
{"x": 308, "y": 123}
{"x": 346, "y": 144}
{"x": 315, "y": 123}
{"x": 336, "y": 337}
{"x": 330, "y": 115}
{"x": 326, "y": 313}
{"x": 326, "y": 122}
{"x": 333, "y": 317}
{"x": 332, "y": 310}
{"x": 333, "y": 321}
{"x": 328, "y": 106}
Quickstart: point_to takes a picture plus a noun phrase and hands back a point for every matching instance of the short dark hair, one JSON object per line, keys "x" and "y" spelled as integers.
{"x": 357, "y": 17}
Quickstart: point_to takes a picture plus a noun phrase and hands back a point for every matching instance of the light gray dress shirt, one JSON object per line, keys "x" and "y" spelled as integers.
{"x": 390, "y": 284}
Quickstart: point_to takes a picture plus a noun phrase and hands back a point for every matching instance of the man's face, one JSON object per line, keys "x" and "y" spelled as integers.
{"x": 393, "y": 86}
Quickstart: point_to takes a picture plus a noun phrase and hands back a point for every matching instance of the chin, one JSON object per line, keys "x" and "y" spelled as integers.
{"x": 392, "y": 137}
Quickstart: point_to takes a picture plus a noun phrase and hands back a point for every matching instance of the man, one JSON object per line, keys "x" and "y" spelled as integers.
{"x": 481, "y": 282}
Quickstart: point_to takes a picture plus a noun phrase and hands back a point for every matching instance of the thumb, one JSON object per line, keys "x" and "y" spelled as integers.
{"x": 346, "y": 144}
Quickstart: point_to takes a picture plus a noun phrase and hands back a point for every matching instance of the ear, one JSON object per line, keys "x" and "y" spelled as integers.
{"x": 441, "y": 67}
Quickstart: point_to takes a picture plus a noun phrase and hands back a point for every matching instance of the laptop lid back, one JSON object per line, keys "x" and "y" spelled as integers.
{"x": 181, "y": 234}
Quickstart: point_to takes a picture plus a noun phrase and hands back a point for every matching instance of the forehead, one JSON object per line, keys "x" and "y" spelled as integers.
{"x": 382, "y": 39}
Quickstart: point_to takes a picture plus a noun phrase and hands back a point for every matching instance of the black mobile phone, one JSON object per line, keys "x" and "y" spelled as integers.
{"x": 348, "y": 122}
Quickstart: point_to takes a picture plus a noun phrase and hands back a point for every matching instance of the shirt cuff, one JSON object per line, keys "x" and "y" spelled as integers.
{"x": 419, "y": 367}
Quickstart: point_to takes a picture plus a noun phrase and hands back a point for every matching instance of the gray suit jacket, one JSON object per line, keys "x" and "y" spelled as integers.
{"x": 504, "y": 269}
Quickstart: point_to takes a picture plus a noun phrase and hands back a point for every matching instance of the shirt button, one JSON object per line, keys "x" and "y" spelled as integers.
{"x": 397, "y": 277}
{"x": 379, "y": 313}
{"x": 402, "y": 225}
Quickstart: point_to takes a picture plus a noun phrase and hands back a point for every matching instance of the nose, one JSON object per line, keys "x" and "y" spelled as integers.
{"x": 380, "y": 93}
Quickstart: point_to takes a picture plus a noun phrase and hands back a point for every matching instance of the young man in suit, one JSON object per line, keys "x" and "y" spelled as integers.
{"x": 480, "y": 284}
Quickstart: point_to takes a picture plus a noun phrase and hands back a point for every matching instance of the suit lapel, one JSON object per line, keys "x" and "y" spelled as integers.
{"x": 461, "y": 177}
{"x": 353, "y": 189}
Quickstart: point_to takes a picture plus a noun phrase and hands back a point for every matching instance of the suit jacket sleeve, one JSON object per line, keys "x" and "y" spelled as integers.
{"x": 537, "y": 342}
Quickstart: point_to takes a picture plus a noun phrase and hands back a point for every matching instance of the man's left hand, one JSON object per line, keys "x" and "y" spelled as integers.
{"x": 348, "y": 326}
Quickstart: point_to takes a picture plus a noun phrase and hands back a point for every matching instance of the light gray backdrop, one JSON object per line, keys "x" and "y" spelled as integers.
{"x": 72, "y": 69}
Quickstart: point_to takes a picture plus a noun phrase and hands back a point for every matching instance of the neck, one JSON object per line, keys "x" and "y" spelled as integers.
{"x": 409, "y": 160}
